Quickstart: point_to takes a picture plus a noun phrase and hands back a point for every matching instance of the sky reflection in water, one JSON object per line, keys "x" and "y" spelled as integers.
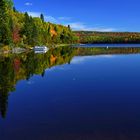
{"x": 71, "y": 96}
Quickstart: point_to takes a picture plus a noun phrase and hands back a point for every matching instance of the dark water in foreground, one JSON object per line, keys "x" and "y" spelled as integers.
{"x": 71, "y": 94}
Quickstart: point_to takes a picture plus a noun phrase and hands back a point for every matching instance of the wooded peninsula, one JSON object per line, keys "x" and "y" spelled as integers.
{"x": 22, "y": 30}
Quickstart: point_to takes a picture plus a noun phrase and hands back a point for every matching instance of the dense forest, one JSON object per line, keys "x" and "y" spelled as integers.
{"x": 107, "y": 37}
{"x": 20, "y": 29}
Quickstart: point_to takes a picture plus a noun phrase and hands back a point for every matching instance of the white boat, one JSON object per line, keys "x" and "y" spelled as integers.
{"x": 41, "y": 48}
{"x": 40, "y": 52}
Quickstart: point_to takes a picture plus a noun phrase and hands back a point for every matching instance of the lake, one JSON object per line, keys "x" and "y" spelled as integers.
{"x": 109, "y": 45}
{"x": 71, "y": 93}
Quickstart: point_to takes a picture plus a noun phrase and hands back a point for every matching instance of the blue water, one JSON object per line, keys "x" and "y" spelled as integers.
{"x": 90, "y": 98}
{"x": 109, "y": 45}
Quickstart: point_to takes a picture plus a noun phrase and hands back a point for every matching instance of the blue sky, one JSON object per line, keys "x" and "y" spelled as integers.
{"x": 99, "y": 15}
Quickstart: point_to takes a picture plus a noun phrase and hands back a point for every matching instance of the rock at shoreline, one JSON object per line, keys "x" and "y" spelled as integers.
{"x": 18, "y": 50}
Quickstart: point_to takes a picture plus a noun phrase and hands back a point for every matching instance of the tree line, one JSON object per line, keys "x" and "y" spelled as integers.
{"x": 107, "y": 37}
{"x": 21, "y": 29}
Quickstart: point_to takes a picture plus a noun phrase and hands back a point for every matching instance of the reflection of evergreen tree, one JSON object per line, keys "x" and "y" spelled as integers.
{"x": 6, "y": 83}
{"x": 29, "y": 65}
{"x": 3, "y": 103}
{"x": 24, "y": 66}
{"x": 43, "y": 73}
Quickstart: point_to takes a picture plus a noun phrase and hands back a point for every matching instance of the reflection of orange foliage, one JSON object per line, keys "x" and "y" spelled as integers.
{"x": 16, "y": 65}
{"x": 53, "y": 33}
{"x": 52, "y": 59}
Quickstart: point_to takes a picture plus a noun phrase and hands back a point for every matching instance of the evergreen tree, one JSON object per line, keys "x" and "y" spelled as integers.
{"x": 69, "y": 27}
{"x": 14, "y": 9}
{"x": 30, "y": 31}
{"x": 42, "y": 17}
{"x": 5, "y": 33}
{"x": 34, "y": 34}
{"x": 10, "y": 4}
{"x": 27, "y": 28}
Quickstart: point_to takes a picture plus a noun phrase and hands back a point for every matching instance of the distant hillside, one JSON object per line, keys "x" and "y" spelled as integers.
{"x": 107, "y": 37}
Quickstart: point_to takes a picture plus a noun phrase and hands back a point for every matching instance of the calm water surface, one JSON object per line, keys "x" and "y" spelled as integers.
{"x": 110, "y": 45}
{"x": 67, "y": 94}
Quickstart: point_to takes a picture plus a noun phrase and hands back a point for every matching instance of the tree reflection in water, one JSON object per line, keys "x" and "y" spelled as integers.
{"x": 16, "y": 67}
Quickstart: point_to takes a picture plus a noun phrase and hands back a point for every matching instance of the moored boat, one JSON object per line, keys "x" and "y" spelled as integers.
{"x": 41, "y": 48}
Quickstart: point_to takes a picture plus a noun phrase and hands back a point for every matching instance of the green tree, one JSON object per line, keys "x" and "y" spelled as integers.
{"x": 42, "y": 17}
{"x": 34, "y": 34}
{"x": 10, "y": 4}
{"x": 14, "y": 9}
{"x": 5, "y": 32}
{"x": 27, "y": 29}
{"x": 69, "y": 27}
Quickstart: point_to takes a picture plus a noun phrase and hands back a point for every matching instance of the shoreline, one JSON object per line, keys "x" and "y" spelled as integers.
{"x": 18, "y": 50}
